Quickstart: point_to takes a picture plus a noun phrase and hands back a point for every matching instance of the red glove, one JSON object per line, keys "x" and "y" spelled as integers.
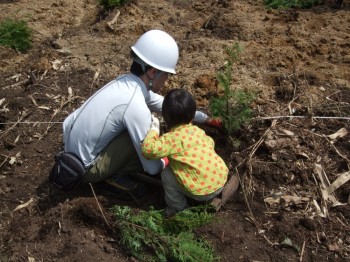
{"x": 215, "y": 122}
{"x": 165, "y": 161}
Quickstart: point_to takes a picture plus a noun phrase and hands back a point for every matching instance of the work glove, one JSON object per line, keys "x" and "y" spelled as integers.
{"x": 155, "y": 124}
{"x": 214, "y": 122}
{"x": 165, "y": 162}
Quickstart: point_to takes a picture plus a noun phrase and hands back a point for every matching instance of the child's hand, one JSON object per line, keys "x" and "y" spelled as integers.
{"x": 165, "y": 162}
{"x": 155, "y": 124}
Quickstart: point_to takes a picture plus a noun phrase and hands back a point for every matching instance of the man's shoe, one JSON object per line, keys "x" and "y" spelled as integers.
{"x": 124, "y": 187}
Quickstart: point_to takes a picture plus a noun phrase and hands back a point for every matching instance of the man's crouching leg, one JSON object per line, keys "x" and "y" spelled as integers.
{"x": 119, "y": 157}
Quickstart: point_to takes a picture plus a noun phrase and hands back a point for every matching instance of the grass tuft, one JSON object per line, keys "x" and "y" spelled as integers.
{"x": 284, "y": 4}
{"x": 15, "y": 34}
{"x": 110, "y": 4}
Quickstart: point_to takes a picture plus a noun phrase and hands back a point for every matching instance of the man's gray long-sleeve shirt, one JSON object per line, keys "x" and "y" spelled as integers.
{"x": 122, "y": 104}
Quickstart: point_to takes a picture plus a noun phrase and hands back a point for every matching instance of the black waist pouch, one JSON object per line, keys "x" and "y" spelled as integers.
{"x": 67, "y": 171}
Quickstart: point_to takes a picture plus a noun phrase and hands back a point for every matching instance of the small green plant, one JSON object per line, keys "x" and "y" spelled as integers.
{"x": 110, "y": 4}
{"x": 283, "y": 4}
{"x": 233, "y": 106}
{"x": 15, "y": 34}
{"x": 151, "y": 237}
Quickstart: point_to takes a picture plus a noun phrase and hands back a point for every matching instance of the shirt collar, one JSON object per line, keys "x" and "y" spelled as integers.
{"x": 142, "y": 85}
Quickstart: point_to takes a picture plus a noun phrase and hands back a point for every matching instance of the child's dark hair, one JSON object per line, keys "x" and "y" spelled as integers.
{"x": 179, "y": 107}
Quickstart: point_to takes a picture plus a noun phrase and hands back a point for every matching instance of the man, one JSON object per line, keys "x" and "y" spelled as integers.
{"x": 107, "y": 130}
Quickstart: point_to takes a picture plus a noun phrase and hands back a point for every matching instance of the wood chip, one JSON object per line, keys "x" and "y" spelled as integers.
{"x": 30, "y": 201}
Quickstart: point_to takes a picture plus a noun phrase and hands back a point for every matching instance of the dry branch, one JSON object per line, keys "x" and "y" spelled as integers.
{"x": 325, "y": 184}
{"x": 302, "y": 252}
{"x": 30, "y": 201}
{"x": 113, "y": 21}
{"x": 25, "y": 81}
{"x": 24, "y": 115}
{"x": 99, "y": 206}
{"x": 341, "y": 180}
{"x": 3, "y": 162}
{"x": 97, "y": 73}
{"x": 256, "y": 146}
{"x": 336, "y": 150}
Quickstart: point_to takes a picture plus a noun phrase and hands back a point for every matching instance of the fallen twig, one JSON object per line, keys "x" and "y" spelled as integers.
{"x": 3, "y": 162}
{"x": 336, "y": 150}
{"x": 269, "y": 241}
{"x": 346, "y": 221}
{"x": 325, "y": 196}
{"x": 99, "y": 206}
{"x": 256, "y": 146}
{"x": 18, "y": 83}
{"x": 97, "y": 73}
{"x": 295, "y": 85}
{"x": 341, "y": 180}
{"x": 25, "y": 114}
{"x": 113, "y": 21}
{"x": 24, "y": 205}
{"x": 341, "y": 222}
{"x": 247, "y": 202}
{"x": 302, "y": 252}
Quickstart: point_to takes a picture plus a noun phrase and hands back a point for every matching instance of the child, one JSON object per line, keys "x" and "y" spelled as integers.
{"x": 195, "y": 170}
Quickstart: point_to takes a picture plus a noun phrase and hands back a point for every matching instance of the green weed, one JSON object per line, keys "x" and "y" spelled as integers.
{"x": 151, "y": 237}
{"x": 15, "y": 34}
{"x": 283, "y": 4}
{"x": 110, "y": 4}
{"x": 233, "y": 106}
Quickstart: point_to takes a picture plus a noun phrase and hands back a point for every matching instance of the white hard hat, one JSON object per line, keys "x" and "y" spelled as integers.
{"x": 157, "y": 49}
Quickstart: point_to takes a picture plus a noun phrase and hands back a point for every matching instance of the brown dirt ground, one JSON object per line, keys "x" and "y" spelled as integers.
{"x": 297, "y": 60}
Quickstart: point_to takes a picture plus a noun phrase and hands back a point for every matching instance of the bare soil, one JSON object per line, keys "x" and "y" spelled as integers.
{"x": 298, "y": 62}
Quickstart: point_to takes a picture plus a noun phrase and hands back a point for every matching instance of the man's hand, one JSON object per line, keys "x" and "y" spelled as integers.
{"x": 155, "y": 124}
{"x": 214, "y": 122}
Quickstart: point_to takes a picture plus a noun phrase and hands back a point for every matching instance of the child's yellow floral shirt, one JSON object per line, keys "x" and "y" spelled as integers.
{"x": 191, "y": 156}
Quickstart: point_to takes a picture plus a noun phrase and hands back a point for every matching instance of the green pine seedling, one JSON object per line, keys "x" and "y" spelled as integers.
{"x": 15, "y": 34}
{"x": 149, "y": 236}
{"x": 233, "y": 106}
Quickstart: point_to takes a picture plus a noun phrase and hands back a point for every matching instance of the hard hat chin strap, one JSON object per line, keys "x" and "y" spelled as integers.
{"x": 158, "y": 74}
{"x": 141, "y": 63}
{"x": 143, "y": 66}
